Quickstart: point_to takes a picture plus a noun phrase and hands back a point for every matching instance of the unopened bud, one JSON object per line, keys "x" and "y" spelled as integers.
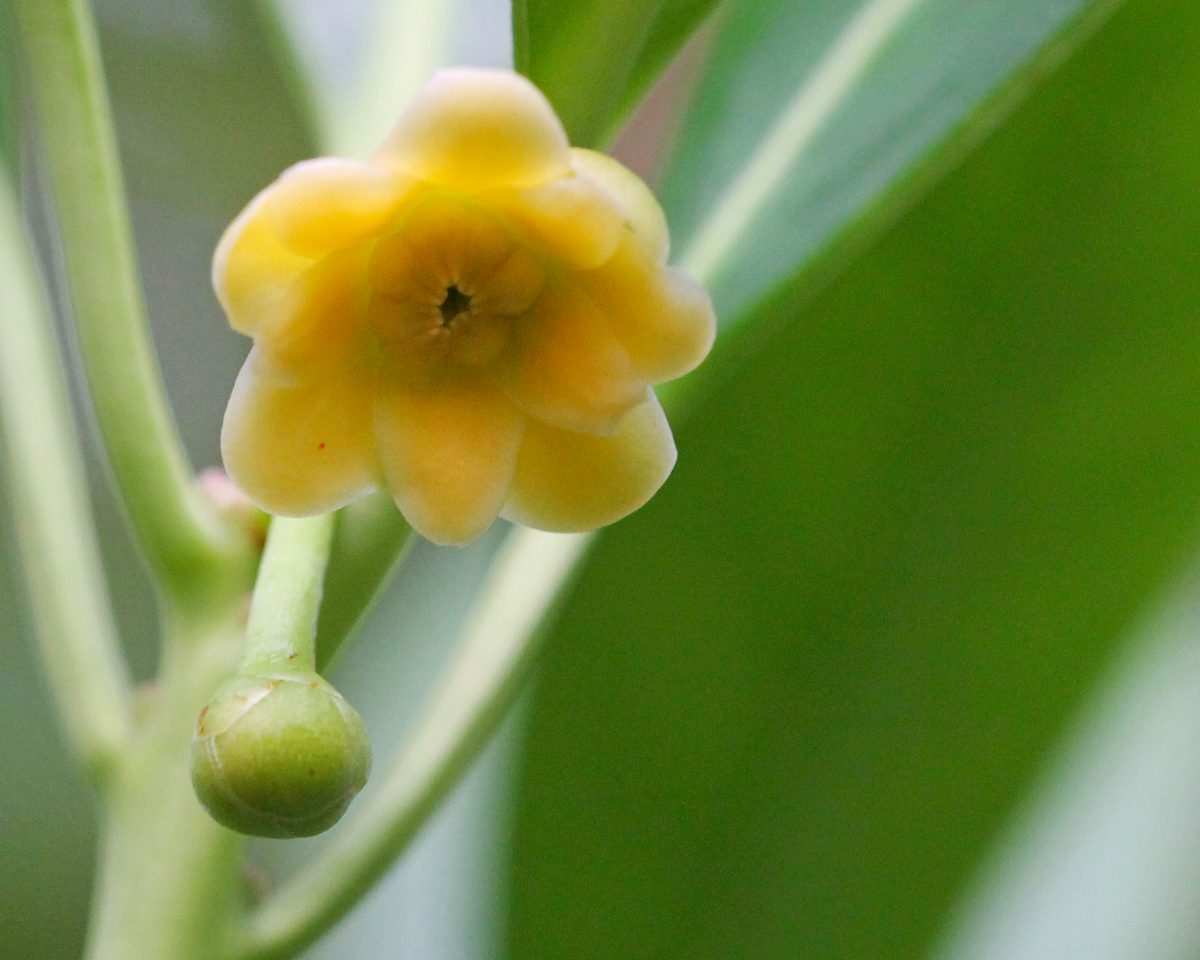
{"x": 279, "y": 756}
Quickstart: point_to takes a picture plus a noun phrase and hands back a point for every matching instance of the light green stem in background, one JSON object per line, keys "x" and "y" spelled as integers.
{"x": 369, "y": 542}
{"x": 169, "y": 874}
{"x": 494, "y": 657}
{"x": 408, "y": 41}
{"x": 814, "y": 102}
{"x": 49, "y": 502}
{"x": 189, "y": 550}
{"x": 282, "y": 627}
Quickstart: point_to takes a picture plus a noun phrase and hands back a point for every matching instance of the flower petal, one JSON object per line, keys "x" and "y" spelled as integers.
{"x": 320, "y": 318}
{"x": 299, "y": 447}
{"x": 252, "y": 268}
{"x": 448, "y": 454}
{"x": 566, "y": 368}
{"x": 327, "y": 204}
{"x": 570, "y": 482}
{"x": 573, "y": 220}
{"x": 441, "y": 242}
{"x": 473, "y": 128}
{"x": 642, "y": 213}
{"x": 658, "y": 313}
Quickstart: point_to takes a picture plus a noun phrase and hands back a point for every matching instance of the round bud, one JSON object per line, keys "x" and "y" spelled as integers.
{"x": 279, "y": 756}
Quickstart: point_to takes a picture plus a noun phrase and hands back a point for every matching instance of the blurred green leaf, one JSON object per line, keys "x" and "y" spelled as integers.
{"x": 595, "y": 58}
{"x": 816, "y": 120}
{"x": 794, "y": 699}
{"x": 8, "y": 91}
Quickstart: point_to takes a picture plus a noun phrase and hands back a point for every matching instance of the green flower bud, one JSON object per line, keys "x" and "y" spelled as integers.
{"x": 279, "y": 756}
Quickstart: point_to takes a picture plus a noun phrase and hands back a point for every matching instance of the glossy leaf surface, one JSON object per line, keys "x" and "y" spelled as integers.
{"x": 794, "y": 700}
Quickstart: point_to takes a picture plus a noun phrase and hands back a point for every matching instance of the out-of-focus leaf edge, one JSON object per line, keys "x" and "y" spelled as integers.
{"x": 268, "y": 20}
{"x": 9, "y": 96}
{"x": 520, "y": 35}
{"x": 668, "y": 32}
{"x": 667, "y": 37}
{"x": 861, "y": 230}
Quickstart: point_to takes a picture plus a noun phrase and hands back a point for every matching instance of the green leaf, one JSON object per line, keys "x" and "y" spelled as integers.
{"x": 9, "y": 94}
{"x": 812, "y": 116}
{"x": 795, "y": 698}
{"x": 595, "y": 58}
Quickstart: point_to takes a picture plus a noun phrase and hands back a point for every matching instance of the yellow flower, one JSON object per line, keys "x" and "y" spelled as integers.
{"x": 472, "y": 321}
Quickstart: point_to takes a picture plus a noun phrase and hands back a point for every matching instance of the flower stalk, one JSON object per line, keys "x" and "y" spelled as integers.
{"x": 495, "y": 655}
{"x": 281, "y": 631}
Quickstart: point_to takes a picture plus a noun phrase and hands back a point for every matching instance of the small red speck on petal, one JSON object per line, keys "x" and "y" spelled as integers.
{"x": 320, "y": 446}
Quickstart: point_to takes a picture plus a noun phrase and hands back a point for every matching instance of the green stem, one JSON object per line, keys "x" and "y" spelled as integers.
{"x": 497, "y": 651}
{"x": 370, "y": 540}
{"x": 407, "y": 42}
{"x": 187, "y": 547}
{"x": 169, "y": 874}
{"x": 50, "y": 505}
{"x": 287, "y": 595}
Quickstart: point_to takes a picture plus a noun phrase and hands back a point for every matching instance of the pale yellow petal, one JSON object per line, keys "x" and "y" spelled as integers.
{"x": 658, "y": 313}
{"x": 473, "y": 128}
{"x": 327, "y": 204}
{"x": 252, "y": 268}
{"x": 643, "y": 216}
{"x": 296, "y": 446}
{"x": 570, "y": 482}
{"x": 573, "y": 220}
{"x": 567, "y": 368}
{"x": 441, "y": 242}
{"x": 512, "y": 287}
{"x": 321, "y": 317}
{"x": 448, "y": 454}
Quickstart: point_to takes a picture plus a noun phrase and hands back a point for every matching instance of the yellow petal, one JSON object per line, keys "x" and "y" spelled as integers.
{"x": 512, "y": 287}
{"x": 472, "y": 128}
{"x": 641, "y": 211}
{"x": 448, "y": 454}
{"x": 566, "y": 367}
{"x": 252, "y": 268}
{"x": 299, "y": 447}
{"x": 327, "y": 204}
{"x": 319, "y": 320}
{"x": 440, "y": 243}
{"x": 570, "y": 482}
{"x": 573, "y": 220}
{"x": 658, "y": 313}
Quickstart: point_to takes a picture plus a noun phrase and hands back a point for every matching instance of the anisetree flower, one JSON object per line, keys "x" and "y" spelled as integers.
{"x": 472, "y": 320}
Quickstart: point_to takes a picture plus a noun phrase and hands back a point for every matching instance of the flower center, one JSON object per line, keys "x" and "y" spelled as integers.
{"x": 455, "y": 304}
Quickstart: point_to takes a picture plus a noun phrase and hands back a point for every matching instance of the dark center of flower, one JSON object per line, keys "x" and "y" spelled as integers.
{"x": 455, "y": 304}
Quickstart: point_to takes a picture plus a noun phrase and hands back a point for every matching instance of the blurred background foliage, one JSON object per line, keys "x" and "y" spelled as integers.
{"x": 880, "y": 672}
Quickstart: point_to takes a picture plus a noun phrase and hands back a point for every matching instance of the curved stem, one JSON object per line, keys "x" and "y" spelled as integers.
{"x": 186, "y": 545}
{"x": 287, "y": 595}
{"x": 484, "y": 678}
{"x": 50, "y": 505}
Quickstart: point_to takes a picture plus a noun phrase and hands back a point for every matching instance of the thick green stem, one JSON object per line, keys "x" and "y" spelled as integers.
{"x": 169, "y": 875}
{"x": 50, "y": 506}
{"x": 497, "y": 651}
{"x": 188, "y": 548}
{"x": 287, "y": 595}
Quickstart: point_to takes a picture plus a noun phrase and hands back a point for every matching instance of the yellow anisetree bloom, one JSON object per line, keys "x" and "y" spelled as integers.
{"x": 472, "y": 320}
